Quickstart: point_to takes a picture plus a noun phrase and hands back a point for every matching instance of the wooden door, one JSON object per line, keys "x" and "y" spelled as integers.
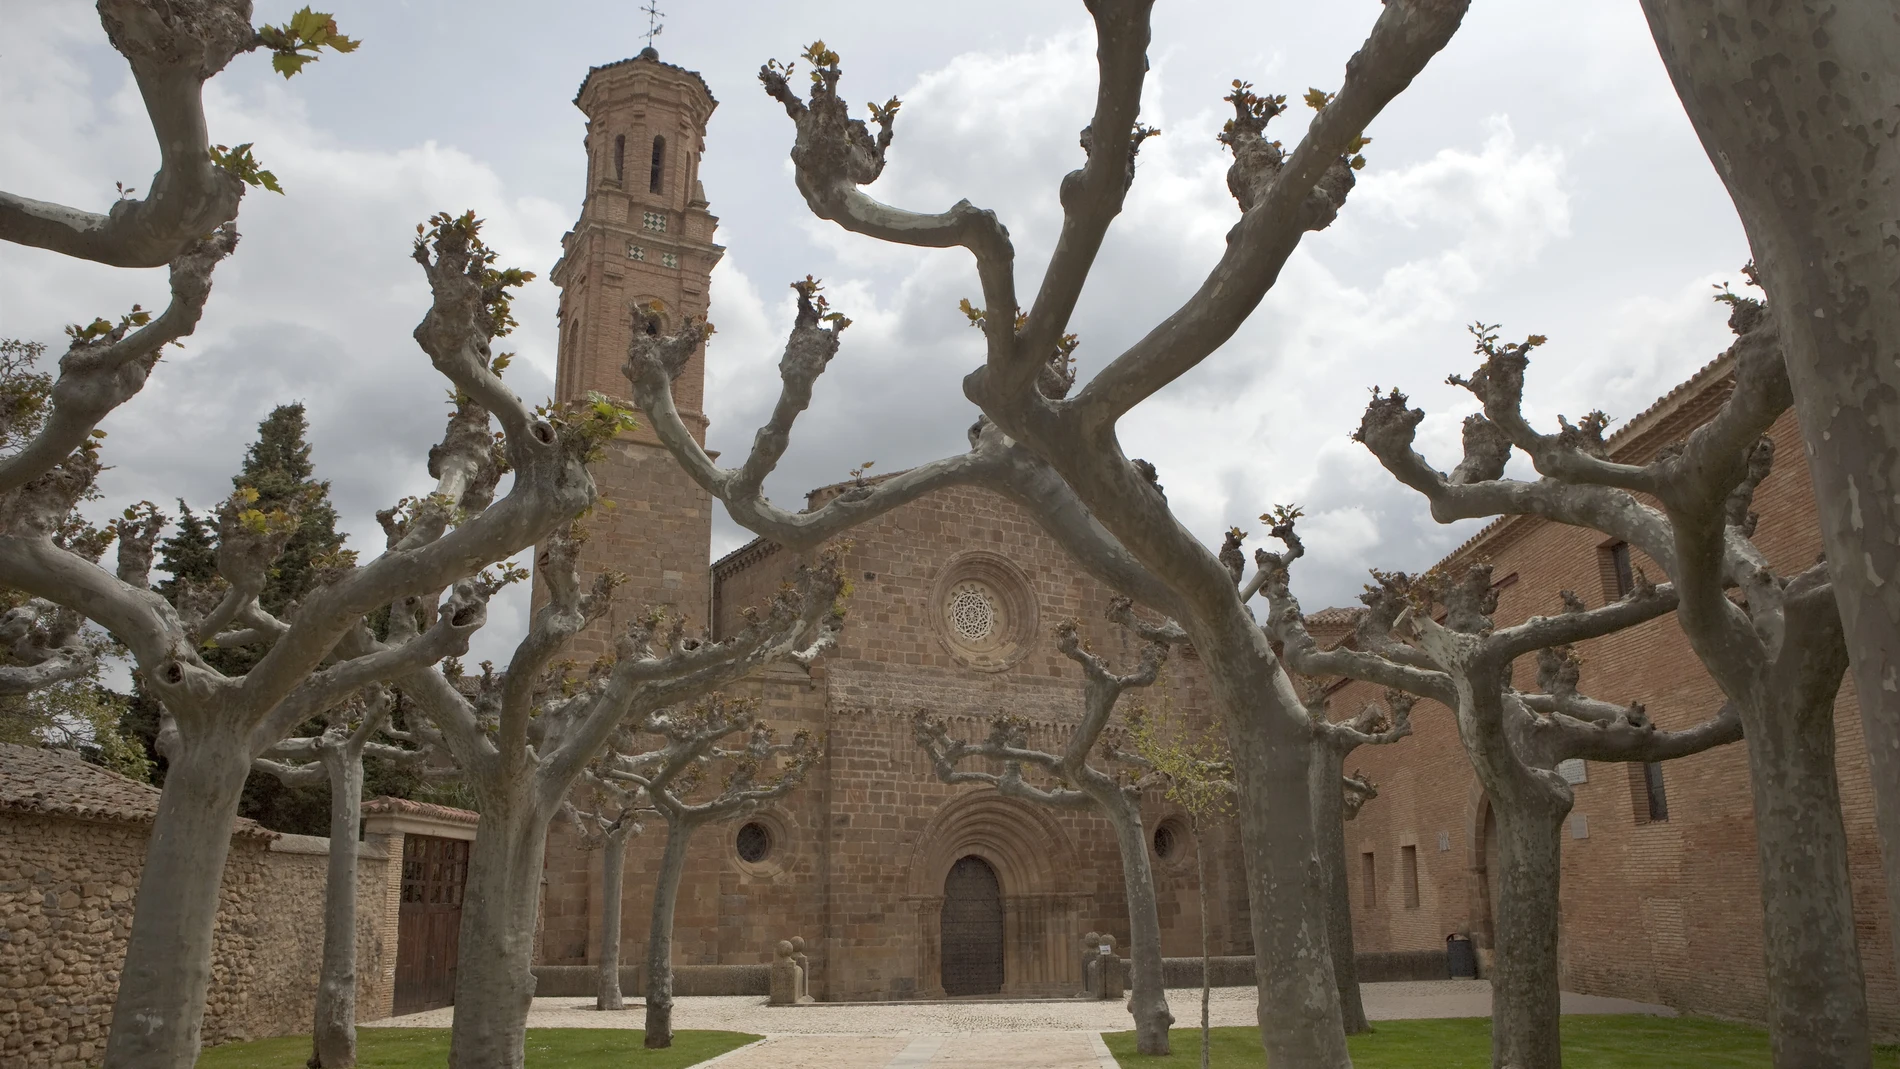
{"x": 429, "y": 921}
{"x": 972, "y": 929}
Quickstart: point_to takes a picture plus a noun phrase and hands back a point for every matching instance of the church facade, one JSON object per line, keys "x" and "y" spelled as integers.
{"x": 902, "y": 887}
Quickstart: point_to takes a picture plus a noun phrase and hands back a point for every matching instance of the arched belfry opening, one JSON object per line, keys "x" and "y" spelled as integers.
{"x": 620, "y": 157}
{"x": 972, "y": 929}
{"x": 656, "y": 178}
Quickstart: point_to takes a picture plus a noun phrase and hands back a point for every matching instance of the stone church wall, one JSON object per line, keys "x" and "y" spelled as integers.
{"x": 1665, "y": 911}
{"x": 66, "y": 893}
{"x": 860, "y": 851}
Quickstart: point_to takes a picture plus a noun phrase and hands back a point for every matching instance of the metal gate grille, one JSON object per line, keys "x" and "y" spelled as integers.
{"x": 972, "y": 929}
{"x": 429, "y": 921}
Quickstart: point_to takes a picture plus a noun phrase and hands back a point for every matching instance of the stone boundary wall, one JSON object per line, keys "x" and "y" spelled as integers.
{"x": 66, "y": 893}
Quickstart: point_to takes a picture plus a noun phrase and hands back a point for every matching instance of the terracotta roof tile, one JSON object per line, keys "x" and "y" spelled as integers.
{"x": 446, "y": 814}
{"x": 57, "y": 783}
{"x": 1334, "y": 616}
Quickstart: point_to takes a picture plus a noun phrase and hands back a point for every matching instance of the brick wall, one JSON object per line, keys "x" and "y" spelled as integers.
{"x": 1662, "y": 911}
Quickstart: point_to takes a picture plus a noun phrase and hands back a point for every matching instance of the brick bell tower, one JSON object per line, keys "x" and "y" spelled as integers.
{"x": 644, "y": 235}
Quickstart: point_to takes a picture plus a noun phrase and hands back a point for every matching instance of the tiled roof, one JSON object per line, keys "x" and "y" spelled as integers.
{"x": 429, "y": 810}
{"x": 57, "y": 783}
{"x": 1335, "y": 616}
{"x": 648, "y": 53}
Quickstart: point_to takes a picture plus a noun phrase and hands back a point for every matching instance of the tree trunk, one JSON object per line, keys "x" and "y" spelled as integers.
{"x": 494, "y": 977}
{"x": 613, "y": 864}
{"x": 159, "y": 1011}
{"x": 1148, "y": 995}
{"x": 1299, "y": 1003}
{"x": 1526, "y": 1000}
{"x": 1796, "y": 113}
{"x": 660, "y": 939}
{"x": 1329, "y": 834}
{"x": 333, "y": 1034}
{"x": 1207, "y": 960}
{"x": 1817, "y": 1001}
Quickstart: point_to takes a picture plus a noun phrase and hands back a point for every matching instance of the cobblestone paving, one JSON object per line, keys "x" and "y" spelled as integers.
{"x": 1057, "y": 1034}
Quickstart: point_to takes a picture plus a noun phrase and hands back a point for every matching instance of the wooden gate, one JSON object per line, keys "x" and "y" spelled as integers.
{"x": 972, "y": 929}
{"x": 429, "y": 921}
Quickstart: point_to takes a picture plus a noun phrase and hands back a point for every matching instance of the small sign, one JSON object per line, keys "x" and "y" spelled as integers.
{"x": 1574, "y": 770}
{"x": 1580, "y": 827}
{"x": 1108, "y": 948}
{"x": 1444, "y": 841}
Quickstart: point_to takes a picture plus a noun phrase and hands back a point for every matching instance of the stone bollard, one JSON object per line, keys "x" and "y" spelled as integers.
{"x": 1091, "y": 952}
{"x": 785, "y": 977}
{"x": 804, "y": 969}
{"x": 1112, "y": 978}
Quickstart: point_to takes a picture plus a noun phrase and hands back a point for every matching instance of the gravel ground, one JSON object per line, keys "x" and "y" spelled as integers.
{"x": 1230, "y": 1006}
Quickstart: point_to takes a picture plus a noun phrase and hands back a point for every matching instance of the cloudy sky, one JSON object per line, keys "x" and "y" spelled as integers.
{"x": 1540, "y": 174}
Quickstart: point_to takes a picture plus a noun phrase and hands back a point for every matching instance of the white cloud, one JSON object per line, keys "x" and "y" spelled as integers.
{"x": 1466, "y": 212}
{"x": 317, "y": 304}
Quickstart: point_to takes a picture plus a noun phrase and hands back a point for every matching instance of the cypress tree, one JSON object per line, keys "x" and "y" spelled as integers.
{"x": 278, "y": 467}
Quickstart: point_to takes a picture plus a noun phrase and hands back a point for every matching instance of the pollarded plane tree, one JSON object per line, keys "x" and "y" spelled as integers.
{"x": 1056, "y": 452}
{"x": 1433, "y": 637}
{"x": 1336, "y": 797}
{"x": 41, "y": 643}
{"x": 1794, "y": 106}
{"x": 524, "y": 735}
{"x": 1077, "y": 784}
{"x": 673, "y": 778}
{"x": 1193, "y": 772}
{"x": 358, "y": 727}
{"x": 315, "y": 654}
{"x": 186, "y": 223}
{"x": 1772, "y": 641}
{"x": 613, "y": 814}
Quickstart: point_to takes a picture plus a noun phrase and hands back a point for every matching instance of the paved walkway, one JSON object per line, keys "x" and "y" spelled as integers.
{"x": 1055, "y": 1034}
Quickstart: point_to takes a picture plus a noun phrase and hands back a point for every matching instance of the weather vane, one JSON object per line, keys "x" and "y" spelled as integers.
{"x": 654, "y": 14}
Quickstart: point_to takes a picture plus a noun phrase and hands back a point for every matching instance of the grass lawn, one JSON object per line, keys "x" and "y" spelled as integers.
{"x": 1624, "y": 1041}
{"x": 428, "y": 1048}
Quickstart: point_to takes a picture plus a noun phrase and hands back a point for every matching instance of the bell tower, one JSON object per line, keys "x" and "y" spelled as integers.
{"x": 644, "y": 236}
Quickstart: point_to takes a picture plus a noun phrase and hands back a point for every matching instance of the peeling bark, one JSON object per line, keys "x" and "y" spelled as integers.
{"x": 1332, "y": 744}
{"x": 1794, "y": 105}
{"x": 1526, "y": 1000}
{"x": 494, "y": 975}
{"x": 157, "y": 1017}
{"x": 333, "y": 1033}
{"x": 613, "y": 868}
{"x": 659, "y": 1032}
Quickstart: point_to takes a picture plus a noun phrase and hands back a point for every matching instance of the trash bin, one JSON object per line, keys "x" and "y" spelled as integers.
{"x": 1461, "y": 961}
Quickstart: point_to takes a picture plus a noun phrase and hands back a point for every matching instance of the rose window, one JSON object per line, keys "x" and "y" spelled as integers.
{"x": 972, "y": 616}
{"x": 983, "y": 611}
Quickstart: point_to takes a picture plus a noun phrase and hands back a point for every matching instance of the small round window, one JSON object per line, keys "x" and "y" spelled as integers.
{"x": 754, "y": 842}
{"x": 1166, "y": 842}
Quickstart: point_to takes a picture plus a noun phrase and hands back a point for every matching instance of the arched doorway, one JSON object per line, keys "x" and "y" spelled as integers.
{"x": 972, "y": 929}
